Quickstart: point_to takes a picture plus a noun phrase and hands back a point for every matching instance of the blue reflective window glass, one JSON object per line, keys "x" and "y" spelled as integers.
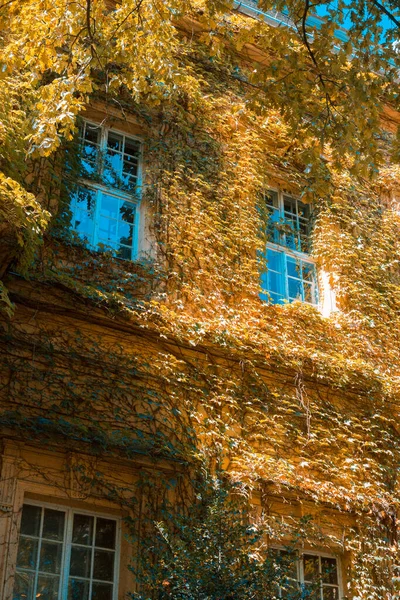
{"x": 83, "y": 211}
{"x": 125, "y": 233}
{"x": 90, "y": 136}
{"x": 293, "y": 267}
{"x": 275, "y": 275}
{"x": 115, "y": 141}
{"x": 107, "y": 230}
{"x": 295, "y": 289}
{"x": 308, "y": 271}
{"x": 107, "y": 220}
{"x": 288, "y": 277}
{"x": 109, "y": 206}
{"x": 127, "y": 212}
{"x": 113, "y": 169}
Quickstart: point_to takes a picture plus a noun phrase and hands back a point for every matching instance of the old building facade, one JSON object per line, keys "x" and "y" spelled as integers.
{"x": 190, "y": 306}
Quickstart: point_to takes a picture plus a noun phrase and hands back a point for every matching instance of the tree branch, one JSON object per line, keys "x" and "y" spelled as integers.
{"x": 328, "y": 101}
{"x": 386, "y": 12}
{"x": 88, "y": 26}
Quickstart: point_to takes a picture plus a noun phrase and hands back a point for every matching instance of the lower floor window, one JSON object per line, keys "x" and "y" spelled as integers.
{"x": 289, "y": 277}
{"x": 316, "y": 576}
{"x": 65, "y": 555}
{"x": 106, "y": 221}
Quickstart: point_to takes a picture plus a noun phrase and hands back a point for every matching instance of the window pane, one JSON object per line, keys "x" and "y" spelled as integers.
{"x": 274, "y": 260}
{"x": 125, "y": 253}
{"x": 109, "y": 206}
{"x": 84, "y": 225}
{"x": 47, "y": 587}
{"x": 296, "y": 220}
{"x": 27, "y": 553}
{"x": 130, "y": 167}
{"x": 311, "y": 567}
{"x": 102, "y": 591}
{"x": 276, "y": 283}
{"x": 295, "y": 289}
{"x": 53, "y": 524}
{"x": 92, "y": 133}
{"x": 90, "y": 148}
{"x": 275, "y": 276}
{"x": 311, "y": 591}
{"x": 50, "y": 557}
{"x": 89, "y": 159}
{"x": 83, "y": 208}
{"x": 80, "y": 562}
{"x": 309, "y": 295}
{"x": 290, "y": 562}
{"x": 130, "y": 163}
{"x": 293, "y": 267}
{"x": 271, "y": 199}
{"x": 285, "y": 571}
{"x": 107, "y": 230}
{"x": 289, "y": 205}
{"x": 78, "y": 590}
{"x": 272, "y": 206}
{"x": 125, "y": 234}
{"x": 132, "y": 149}
{"x": 105, "y": 533}
{"x": 304, "y": 226}
{"x": 115, "y": 141}
{"x": 127, "y": 212}
{"x": 23, "y": 586}
{"x": 308, "y": 271}
{"x": 330, "y": 593}
{"x": 103, "y": 567}
{"x": 30, "y": 520}
{"x": 82, "y": 532}
{"x": 329, "y": 570}
{"x": 113, "y": 169}
{"x": 85, "y": 199}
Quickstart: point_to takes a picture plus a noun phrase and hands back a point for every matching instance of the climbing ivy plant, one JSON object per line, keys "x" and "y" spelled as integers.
{"x": 198, "y": 370}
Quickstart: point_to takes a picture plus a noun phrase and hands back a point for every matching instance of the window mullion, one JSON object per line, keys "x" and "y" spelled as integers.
{"x": 92, "y": 557}
{"x": 103, "y": 151}
{"x": 286, "y": 275}
{"x": 297, "y": 232}
{"x": 67, "y": 554}
{"x": 281, "y": 213}
{"x": 122, "y": 157}
{"x": 38, "y": 553}
{"x": 116, "y": 561}
{"x": 303, "y": 298}
{"x": 321, "y": 587}
{"x": 136, "y": 225}
{"x": 96, "y": 219}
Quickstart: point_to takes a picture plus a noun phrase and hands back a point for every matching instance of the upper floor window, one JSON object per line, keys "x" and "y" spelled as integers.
{"x": 104, "y": 204}
{"x": 65, "y": 554}
{"x": 316, "y": 575}
{"x": 291, "y": 273}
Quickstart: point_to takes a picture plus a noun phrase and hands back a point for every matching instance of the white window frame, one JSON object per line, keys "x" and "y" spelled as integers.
{"x": 101, "y": 188}
{"x": 300, "y": 567}
{"x": 297, "y": 255}
{"x": 67, "y": 543}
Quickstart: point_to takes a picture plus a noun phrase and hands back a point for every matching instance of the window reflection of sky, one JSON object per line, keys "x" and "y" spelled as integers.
{"x": 106, "y": 220}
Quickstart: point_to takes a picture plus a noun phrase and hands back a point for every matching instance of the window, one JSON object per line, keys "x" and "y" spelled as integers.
{"x": 65, "y": 555}
{"x": 286, "y": 572}
{"x": 291, "y": 274}
{"x": 320, "y": 574}
{"x": 316, "y": 575}
{"x": 104, "y": 204}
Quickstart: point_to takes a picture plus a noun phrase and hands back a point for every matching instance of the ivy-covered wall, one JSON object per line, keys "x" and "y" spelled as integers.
{"x": 175, "y": 357}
